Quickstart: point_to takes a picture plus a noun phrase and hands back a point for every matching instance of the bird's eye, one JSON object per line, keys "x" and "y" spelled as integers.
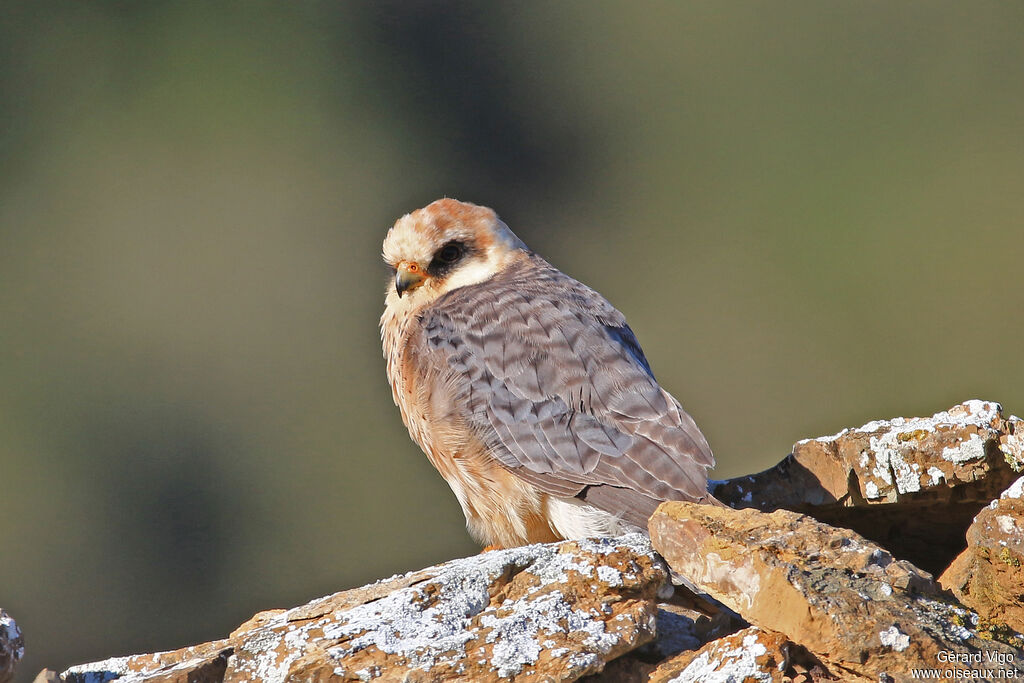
{"x": 450, "y": 253}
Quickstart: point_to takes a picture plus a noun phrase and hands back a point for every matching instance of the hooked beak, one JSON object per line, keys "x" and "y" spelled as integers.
{"x": 408, "y": 277}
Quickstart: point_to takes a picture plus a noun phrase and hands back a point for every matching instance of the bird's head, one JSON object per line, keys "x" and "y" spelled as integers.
{"x": 443, "y": 246}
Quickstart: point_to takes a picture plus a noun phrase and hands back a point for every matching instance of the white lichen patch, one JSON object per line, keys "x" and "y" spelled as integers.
{"x": 1016, "y": 490}
{"x": 895, "y": 639}
{"x": 965, "y": 451}
{"x": 936, "y": 475}
{"x": 718, "y": 665}
{"x": 637, "y": 543}
{"x": 1008, "y": 525}
{"x": 516, "y": 634}
{"x": 609, "y": 575}
{"x": 908, "y": 479}
{"x": 425, "y": 623}
{"x": 270, "y": 650}
{"x": 890, "y": 466}
{"x": 970, "y": 413}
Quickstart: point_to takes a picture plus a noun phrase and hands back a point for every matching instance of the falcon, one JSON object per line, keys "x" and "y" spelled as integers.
{"x": 525, "y": 388}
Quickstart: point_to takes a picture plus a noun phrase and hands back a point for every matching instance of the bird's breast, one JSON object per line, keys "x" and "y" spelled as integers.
{"x": 401, "y": 377}
{"x": 500, "y": 508}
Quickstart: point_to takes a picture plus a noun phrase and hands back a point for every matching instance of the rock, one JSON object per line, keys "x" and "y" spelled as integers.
{"x": 858, "y": 610}
{"x": 912, "y": 485}
{"x": 204, "y": 663}
{"x": 679, "y": 630}
{"x": 988, "y": 577}
{"x": 748, "y": 655}
{"x": 542, "y": 612}
{"x": 1012, "y": 444}
{"x": 12, "y": 647}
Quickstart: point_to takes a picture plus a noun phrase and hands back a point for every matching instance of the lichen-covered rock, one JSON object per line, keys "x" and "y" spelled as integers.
{"x": 893, "y": 458}
{"x": 553, "y": 612}
{"x": 748, "y": 655}
{"x": 846, "y": 600}
{"x": 911, "y": 484}
{"x": 885, "y": 461}
{"x": 988, "y": 577}
{"x": 204, "y": 663}
{"x": 12, "y": 647}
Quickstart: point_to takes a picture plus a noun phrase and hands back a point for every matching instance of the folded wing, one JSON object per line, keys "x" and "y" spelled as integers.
{"x": 549, "y": 375}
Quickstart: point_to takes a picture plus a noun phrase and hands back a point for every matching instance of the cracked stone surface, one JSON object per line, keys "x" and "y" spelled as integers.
{"x": 540, "y": 612}
{"x": 912, "y": 484}
{"x": 845, "y": 599}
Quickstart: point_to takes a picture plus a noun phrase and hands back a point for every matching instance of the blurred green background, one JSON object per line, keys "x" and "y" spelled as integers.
{"x": 811, "y": 214}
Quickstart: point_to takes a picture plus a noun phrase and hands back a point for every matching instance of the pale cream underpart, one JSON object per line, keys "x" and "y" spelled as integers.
{"x": 572, "y": 519}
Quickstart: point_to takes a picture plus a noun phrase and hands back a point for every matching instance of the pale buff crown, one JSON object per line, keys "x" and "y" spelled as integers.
{"x": 488, "y": 247}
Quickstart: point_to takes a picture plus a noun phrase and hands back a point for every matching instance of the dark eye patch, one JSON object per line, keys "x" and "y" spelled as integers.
{"x": 450, "y": 253}
{"x": 447, "y": 257}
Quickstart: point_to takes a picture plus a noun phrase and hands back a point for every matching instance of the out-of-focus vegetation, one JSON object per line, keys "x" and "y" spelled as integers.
{"x": 811, "y": 214}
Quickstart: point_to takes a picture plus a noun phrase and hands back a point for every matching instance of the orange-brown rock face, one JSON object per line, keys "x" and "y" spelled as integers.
{"x": 988, "y": 577}
{"x": 861, "y": 612}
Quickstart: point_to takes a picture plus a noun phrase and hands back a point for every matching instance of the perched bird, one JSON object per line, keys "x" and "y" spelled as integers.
{"x": 525, "y": 388}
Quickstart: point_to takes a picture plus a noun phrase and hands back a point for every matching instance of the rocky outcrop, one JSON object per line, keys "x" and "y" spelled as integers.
{"x": 561, "y": 610}
{"x": 989, "y": 575}
{"x": 12, "y": 647}
{"x": 820, "y": 573}
{"x": 861, "y": 612}
{"x": 912, "y": 485}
